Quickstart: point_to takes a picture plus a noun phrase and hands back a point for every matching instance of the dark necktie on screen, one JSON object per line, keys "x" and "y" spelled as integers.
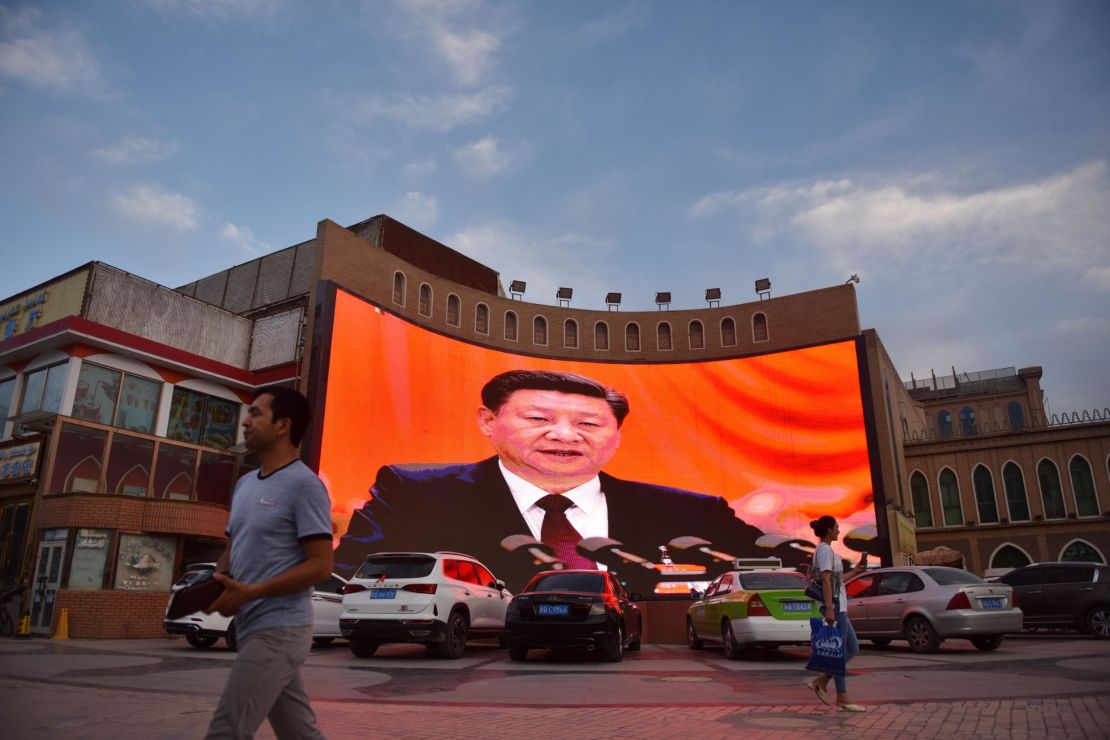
{"x": 558, "y": 532}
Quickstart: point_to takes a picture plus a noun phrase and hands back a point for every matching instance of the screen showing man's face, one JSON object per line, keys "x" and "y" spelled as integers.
{"x": 553, "y": 440}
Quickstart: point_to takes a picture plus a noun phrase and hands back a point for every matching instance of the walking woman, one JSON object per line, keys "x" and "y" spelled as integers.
{"x": 830, "y": 571}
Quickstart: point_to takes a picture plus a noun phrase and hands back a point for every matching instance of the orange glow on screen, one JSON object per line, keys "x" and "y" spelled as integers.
{"x": 780, "y": 436}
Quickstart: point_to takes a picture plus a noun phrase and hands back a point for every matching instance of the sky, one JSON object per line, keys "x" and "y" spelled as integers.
{"x": 953, "y": 155}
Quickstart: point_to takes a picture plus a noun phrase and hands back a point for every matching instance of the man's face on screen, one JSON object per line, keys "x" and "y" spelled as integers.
{"x": 553, "y": 440}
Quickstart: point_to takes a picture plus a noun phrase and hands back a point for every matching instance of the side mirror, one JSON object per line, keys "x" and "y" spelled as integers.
{"x": 499, "y": 585}
{"x": 695, "y": 594}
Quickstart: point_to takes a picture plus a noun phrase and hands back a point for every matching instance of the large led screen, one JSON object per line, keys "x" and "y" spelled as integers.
{"x": 780, "y": 437}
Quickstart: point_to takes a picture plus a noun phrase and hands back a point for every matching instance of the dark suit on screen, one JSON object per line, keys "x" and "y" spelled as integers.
{"x": 469, "y": 508}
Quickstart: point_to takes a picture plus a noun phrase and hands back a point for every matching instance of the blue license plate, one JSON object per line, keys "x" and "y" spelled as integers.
{"x": 383, "y": 593}
{"x": 553, "y": 610}
{"x": 797, "y": 606}
{"x": 992, "y": 603}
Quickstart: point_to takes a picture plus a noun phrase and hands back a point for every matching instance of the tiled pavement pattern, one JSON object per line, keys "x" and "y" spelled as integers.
{"x": 63, "y": 691}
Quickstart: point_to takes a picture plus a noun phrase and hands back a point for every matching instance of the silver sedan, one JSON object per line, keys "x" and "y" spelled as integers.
{"x": 926, "y": 605}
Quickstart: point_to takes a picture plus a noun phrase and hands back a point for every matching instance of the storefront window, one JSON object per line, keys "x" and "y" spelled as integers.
{"x": 138, "y": 404}
{"x": 97, "y": 391}
{"x": 7, "y": 387}
{"x": 42, "y": 389}
{"x": 145, "y": 562}
{"x": 174, "y": 475}
{"x": 215, "y": 478}
{"x": 90, "y": 558}
{"x": 129, "y": 465}
{"x": 202, "y": 420}
{"x": 79, "y": 460}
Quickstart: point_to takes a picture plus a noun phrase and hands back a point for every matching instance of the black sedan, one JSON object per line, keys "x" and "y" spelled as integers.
{"x": 585, "y": 609}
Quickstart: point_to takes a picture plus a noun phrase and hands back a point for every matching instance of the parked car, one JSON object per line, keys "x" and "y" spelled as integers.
{"x": 439, "y": 599}
{"x": 752, "y": 607}
{"x": 927, "y": 605}
{"x": 587, "y": 609}
{"x": 1070, "y": 595}
{"x": 204, "y": 630}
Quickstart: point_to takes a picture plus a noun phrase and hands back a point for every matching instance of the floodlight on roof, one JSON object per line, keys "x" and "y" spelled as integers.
{"x": 516, "y": 288}
{"x": 763, "y": 288}
{"x": 613, "y": 301}
{"x": 713, "y": 295}
{"x": 663, "y": 300}
{"x": 563, "y": 296}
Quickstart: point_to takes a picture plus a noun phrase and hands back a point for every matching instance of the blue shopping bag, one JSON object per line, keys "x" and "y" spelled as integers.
{"x": 827, "y": 655}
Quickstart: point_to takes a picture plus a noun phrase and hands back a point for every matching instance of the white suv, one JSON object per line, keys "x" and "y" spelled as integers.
{"x": 437, "y": 599}
{"x": 203, "y": 630}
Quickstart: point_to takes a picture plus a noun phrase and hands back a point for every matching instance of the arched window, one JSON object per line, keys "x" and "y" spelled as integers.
{"x": 728, "y": 332}
{"x": 481, "y": 318}
{"x": 539, "y": 330}
{"x": 1009, "y": 556}
{"x": 632, "y": 337}
{"x": 425, "y": 306}
{"x": 950, "y": 499}
{"x": 510, "y": 326}
{"x": 570, "y": 334}
{"x": 697, "y": 335}
{"x": 967, "y": 421}
{"x": 454, "y": 309}
{"x": 663, "y": 336}
{"x": 399, "y": 288}
{"x": 944, "y": 424}
{"x": 1048, "y": 475}
{"x": 919, "y": 491}
{"x": 1083, "y": 486}
{"x": 1017, "y": 416}
{"x": 1082, "y": 552}
{"x": 984, "y": 495}
{"x": 759, "y": 327}
{"x": 1014, "y": 483}
{"x": 601, "y": 336}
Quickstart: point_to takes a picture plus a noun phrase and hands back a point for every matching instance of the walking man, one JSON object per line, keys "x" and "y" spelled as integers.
{"x": 279, "y": 546}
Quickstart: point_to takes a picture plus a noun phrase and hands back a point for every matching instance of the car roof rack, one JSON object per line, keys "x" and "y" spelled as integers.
{"x": 757, "y": 564}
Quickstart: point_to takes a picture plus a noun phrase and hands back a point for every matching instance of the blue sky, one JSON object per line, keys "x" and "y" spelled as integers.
{"x": 956, "y": 155}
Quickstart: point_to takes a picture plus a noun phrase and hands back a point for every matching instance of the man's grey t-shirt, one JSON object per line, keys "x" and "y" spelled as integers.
{"x": 269, "y": 518}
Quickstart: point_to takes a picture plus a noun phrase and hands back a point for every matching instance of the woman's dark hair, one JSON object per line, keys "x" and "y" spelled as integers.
{"x": 497, "y": 391}
{"x": 822, "y": 526}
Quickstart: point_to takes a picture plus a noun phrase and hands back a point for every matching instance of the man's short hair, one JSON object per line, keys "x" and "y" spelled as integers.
{"x": 497, "y": 391}
{"x": 288, "y": 404}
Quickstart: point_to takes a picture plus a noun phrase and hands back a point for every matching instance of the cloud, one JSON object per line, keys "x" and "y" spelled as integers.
{"x": 151, "y": 205}
{"x": 244, "y": 238}
{"x": 218, "y": 9}
{"x": 468, "y": 53}
{"x": 1098, "y": 276}
{"x": 417, "y": 210}
{"x": 419, "y": 170}
{"x": 616, "y": 22}
{"x": 433, "y": 112}
{"x": 58, "y": 60}
{"x": 484, "y": 157}
{"x": 137, "y": 151}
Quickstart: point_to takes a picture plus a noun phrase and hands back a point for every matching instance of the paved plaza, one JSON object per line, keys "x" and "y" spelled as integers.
{"x": 1035, "y": 686}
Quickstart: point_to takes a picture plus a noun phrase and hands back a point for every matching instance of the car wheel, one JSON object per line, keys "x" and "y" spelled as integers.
{"x": 692, "y": 638}
{"x": 634, "y": 645}
{"x": 454, "y": 645}
{"x": 230, "y": 638}
{"x": 987, "y": 643}
{"x": 362, "y": 648}
{"x": 518, "y": 652}
{"x": 728, "y": 640}
{"x": 1098, "y": 622}
{"x": 921, "y": 636}
{"x": 201, "y": 641}
{"x": 880, "y": 642}
{"x": 322, "y": 641}
{"x": 614, "y": 653}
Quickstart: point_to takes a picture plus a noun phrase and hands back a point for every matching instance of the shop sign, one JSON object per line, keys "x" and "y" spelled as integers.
{"x": 40, "y": 307}
{"x": 145, "y": 562}
{"x": 90, "y": 556}
{"x": 55, "y": 535}
{"x": 19, "y": 462}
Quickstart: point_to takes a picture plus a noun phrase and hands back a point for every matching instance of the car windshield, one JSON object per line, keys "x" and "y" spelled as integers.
{"x": 771, "y": 581}
{"x": 589, "y": 583}
{"x": 952, "y": 576}
{"x": 396, "y": 566}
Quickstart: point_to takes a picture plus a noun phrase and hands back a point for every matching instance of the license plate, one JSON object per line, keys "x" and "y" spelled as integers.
{"x": 797, "y": 606}
{"x": 992, "y": 603}
{"x": 553, "y": 610}
{"x": 383, "y": 593}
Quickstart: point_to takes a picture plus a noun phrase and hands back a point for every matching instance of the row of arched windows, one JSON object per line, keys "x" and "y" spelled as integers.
{"x": 945, "y": 428}
{"x": 1014, "y": 499}
{"x": 663, "y": 334}
{"x": 1009, "y": 555}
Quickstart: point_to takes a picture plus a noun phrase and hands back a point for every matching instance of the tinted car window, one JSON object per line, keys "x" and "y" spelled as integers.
{"x": 331, "y": 585}
{"x": 590, "y": 583}
{"x": 467, "y": 572}
{"x": 860, "y": 587}
{"x": 900, "y": 582}
{"x": 1023, "y": 577}
{"x": 1073, "y": 574}
{"x": 757, "y": 581}
{"x": 952, "y": 576}
{"x": 451, "y": 569}
{"x": 485, "y": 577}
{"x": 401, "y": 566}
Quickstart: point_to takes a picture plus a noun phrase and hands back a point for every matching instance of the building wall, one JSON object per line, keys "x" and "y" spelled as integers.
{"x": 111, "y": 615}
